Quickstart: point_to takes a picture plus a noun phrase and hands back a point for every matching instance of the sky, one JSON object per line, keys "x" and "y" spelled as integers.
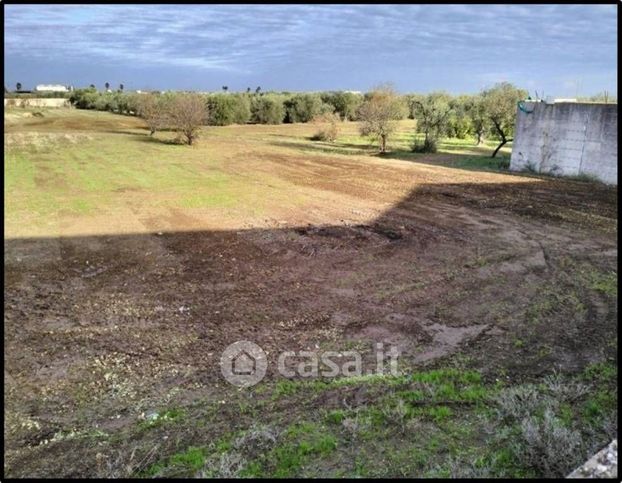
{"x": 559, "y": 50}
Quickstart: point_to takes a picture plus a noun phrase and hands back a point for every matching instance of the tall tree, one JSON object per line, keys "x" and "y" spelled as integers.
{"x": 225, "y": 88}
{"x": 379, "y": 114}
{"x": 500, "y": 103}
{"x": 476, "y": 111}
{"x": 188, "y": 112}
{"x": 431, "y": 112}
{"x": 121, "y": 87}
{"x": 107, "y": 85}
{"x": 257, "y": 90}
{"x": 18, "y": 86}
{"x": 344, "y": 103}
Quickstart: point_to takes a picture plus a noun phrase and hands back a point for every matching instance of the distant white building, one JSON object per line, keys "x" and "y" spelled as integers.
{"x": 53, "y": 88}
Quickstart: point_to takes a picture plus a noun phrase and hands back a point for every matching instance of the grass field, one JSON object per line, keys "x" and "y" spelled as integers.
{"x": 85, "y": 165}
{"x": 131, "y": 262}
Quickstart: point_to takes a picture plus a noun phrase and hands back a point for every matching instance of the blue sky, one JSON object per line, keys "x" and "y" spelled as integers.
{"x": 561, "y": 50}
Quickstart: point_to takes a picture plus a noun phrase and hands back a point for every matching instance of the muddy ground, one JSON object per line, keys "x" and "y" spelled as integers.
{"x": 510, "y": 277}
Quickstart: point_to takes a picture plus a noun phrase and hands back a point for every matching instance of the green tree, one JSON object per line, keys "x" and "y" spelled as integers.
{"x": 458, "y": 122}
{"x": 84, "y": 98}
{"x": 500, "y": 104}
{"x": 268, "y": 110}
{"x": 305, "y": 107}
{"x": 344, "y": 103}
{"x": 480, "y": 123}
{"x": 379, "y": 113}
{"x": 432, "y": 115}
{"x": 228, "y": 109}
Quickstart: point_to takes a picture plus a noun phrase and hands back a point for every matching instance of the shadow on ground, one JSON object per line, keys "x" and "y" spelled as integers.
{"x": 479, "y": 159}
{"x": 98, "y": 325}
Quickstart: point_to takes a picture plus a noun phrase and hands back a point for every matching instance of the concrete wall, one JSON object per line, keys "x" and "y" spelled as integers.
{"x": 567, "y": 139}
{"x": 44, "y": 102}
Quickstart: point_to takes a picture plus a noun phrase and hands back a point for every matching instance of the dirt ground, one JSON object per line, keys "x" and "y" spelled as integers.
{"x": 506, "y": 272}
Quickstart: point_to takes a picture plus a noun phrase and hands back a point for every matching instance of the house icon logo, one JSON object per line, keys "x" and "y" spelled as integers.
{"x": 243, "y": 363}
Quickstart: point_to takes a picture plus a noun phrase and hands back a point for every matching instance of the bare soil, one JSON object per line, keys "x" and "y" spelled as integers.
{"x": 99, "y": 329}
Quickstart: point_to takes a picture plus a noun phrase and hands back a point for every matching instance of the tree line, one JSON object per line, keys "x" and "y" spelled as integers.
{"x": 489, "y": 114}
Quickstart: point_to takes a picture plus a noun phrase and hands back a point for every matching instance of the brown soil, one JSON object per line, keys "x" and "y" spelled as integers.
{"x": 101, "y": 328}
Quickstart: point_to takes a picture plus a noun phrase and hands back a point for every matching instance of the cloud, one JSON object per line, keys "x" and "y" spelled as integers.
{"x": 245, "y": 40}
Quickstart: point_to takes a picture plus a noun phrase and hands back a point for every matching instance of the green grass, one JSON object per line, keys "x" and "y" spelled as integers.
{"x": 104, "y": 172}
{"x": 437, "y": 422}
{"x": 168, "y": 416}
{"x": 486, "y": 163}
{"x": 299, "y": 444}
{"x": 186, "y": 462}
{"x": 603, "y": 372}
{"x": 606, "y": 283}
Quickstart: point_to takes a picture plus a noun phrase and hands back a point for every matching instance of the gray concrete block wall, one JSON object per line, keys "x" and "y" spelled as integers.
{"x": 567, "y": 138}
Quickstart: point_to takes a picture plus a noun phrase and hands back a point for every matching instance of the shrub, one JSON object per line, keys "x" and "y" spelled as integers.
{"x": 549, "y": 446}
{"x": 520, "y": 401}
{"x": 428, "y": 145}
{"x": 328, "y": 127}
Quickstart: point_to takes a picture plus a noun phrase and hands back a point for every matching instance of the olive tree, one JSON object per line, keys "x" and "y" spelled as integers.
{"x": 459, "y": 123}
{"x": 432, "y": 114}
{"x": 499, "y": 104}
{"x": 154, "y": 109}
{"x": 379, "y": 113}
{"x": 187, "y": 113}
{"x": 344, "y": 103}
{"x": 476, "y": 112}
{"x": 225, "y": 109}
{"x": 268, "y": 109}
{"x": 305, "y": 107}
